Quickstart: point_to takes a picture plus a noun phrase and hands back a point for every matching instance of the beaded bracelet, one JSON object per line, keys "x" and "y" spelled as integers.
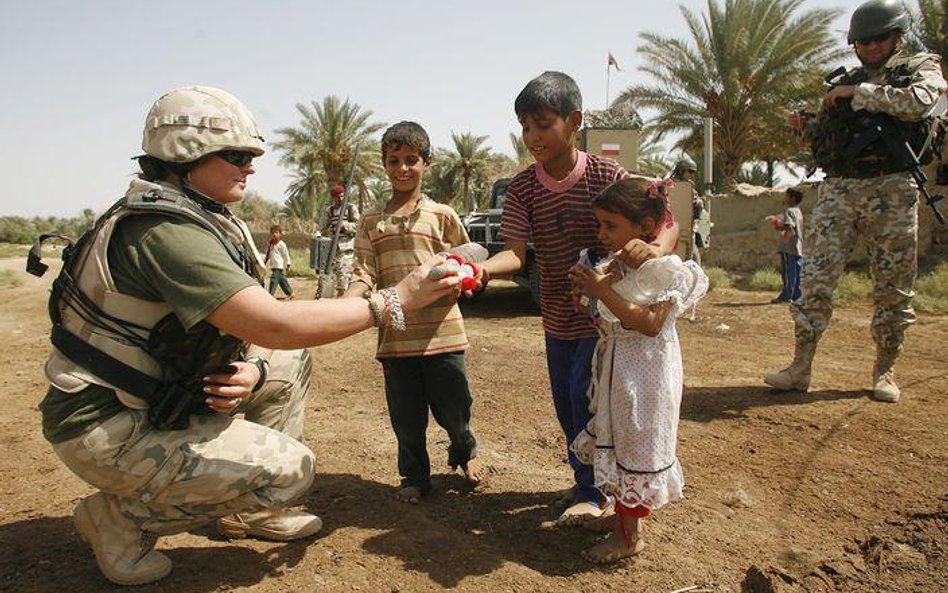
{"x": 394, "y": 308}
{"x": 376, "y": 303}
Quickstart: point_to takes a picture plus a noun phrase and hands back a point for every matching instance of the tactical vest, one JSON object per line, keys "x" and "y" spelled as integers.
{"x": 133, "y": 334}
{"x": 839, "y": 131}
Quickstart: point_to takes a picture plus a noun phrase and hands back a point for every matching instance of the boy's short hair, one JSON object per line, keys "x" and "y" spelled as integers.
{"x": 796, "y": 194}
{"x": 551, "y": 90}
{"x": 407, "y": 133}
{"x": 276, "y": 227}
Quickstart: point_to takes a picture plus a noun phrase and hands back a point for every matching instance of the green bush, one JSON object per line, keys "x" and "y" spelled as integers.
{"x": 13, "y": 250}
{"x": 931, "y": 291}
{"x": 853, "y": 287}
{"x": 300, "y": 267}
{"x": 718, "y": 278}
{"x": 768, "y": 280}
{"x": 10, "y": 279}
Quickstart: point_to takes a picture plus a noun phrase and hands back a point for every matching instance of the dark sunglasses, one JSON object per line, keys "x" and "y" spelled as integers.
{"x": 237, "y": 158}
{"x": 880, "y": 38}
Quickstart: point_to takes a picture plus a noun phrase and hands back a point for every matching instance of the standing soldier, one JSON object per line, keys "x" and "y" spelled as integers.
{"x": 347, "y": 223}
{"x": 685, "y": 170}
{"x": 868, "y": 189}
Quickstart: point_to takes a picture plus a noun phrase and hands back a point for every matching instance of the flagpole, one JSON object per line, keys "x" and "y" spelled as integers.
{"x": 608, "y": 74}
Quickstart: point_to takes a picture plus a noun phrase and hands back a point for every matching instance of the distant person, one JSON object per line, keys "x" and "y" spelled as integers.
{"x": 790, "y": 227}
{"x": 632, "y": 438}
{"x": 548, "y": 204}
{"x": 278, "y": 262}
{"x": 346, "y": 222}
{"x": 163, "y": 334}
{"x": 423, "y": 356}
{"x": 684, "y": 171}
{"x": 870, "y": 193}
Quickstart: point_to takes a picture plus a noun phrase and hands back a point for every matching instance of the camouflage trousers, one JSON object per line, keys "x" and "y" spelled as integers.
{"x": 172, "y": 481}
{"x": 342, "y": 265}
{"x": 882, "y": 210}
{"x": 341, "y": 269}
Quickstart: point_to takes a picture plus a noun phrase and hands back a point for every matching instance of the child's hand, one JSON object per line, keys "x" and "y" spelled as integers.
{"x": 587, "y": 281}
{"x": 636, "y": 252}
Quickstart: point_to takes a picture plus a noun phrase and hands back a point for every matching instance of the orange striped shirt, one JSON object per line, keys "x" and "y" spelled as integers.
{"x": 388, "y": 248}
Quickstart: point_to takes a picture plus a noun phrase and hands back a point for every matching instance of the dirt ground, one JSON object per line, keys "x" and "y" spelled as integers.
{"x": 827, "y": 491}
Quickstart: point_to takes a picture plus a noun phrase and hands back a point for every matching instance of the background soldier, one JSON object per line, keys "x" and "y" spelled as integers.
{"x": 347, "y": 223}
{"x": 685, "y": 170}
{"x": 867, "y": 190}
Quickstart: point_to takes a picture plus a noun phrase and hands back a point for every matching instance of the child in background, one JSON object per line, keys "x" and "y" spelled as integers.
{"x": 636, "y": 394}
{"x": 423, "y": 363}
{"x": 790, "y": 226}
{"x": 278, "y": 260}
{"x": 548, "y": 204}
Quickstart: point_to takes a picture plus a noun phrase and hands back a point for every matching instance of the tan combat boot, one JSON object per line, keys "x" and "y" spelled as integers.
{"x": 795, "y": 377}
{"x": 273, "y": 524}
{"x": 124, "y": 552}
{"x": 884, "y": 388}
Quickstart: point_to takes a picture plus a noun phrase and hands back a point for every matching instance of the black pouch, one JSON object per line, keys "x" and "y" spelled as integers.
{"x": 173, "y": 408}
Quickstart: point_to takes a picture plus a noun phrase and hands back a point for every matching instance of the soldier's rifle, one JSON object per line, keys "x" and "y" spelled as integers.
{"x": 884, "y": 127}
{"x": 334, "y": 243}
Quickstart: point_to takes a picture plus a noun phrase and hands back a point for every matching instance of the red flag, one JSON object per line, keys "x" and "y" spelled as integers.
{"x": 613, "y": 62}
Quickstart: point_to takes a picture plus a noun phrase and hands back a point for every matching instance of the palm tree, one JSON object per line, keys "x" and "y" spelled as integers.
{"x": 931, "y": 31}
{"x": 319, "y": 150}
{"x": 747, "y": 63}
{"x": 441, "y": 180}
{"x": 523, "y": 157}
{"x": 469, "y": 162}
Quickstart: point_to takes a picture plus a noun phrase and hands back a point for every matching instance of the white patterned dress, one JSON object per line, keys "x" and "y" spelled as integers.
{"x": 635, "y": 396}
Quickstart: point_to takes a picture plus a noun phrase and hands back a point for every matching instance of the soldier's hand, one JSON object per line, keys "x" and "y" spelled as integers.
{"x": 846, "y": 91}
{"x": 229, "y": 388}
{"x": 798, "y": 120}
{"x": 417, "y": 290}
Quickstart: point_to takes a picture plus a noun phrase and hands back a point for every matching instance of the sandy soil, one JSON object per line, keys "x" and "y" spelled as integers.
{"x": 827, "y": 491}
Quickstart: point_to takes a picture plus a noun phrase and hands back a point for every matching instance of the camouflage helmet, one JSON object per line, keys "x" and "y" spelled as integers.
{"x": 191, "y": 122}
{"x": 877, "y": 17}
{"x": 685, "y": 164}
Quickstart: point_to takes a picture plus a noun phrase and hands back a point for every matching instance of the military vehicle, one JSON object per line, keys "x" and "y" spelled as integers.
{"x": 484, "y": 228}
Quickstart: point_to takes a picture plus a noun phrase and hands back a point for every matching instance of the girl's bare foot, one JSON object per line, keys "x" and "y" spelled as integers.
{"x": 624, "y": 541}
{"x": 579, "y": 513}
{"x": 475, "y": 471}
{"x": 409, "y": 494}
{"x": 604, "y": 523}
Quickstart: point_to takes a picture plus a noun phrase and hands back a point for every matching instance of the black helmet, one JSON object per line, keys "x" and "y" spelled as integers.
{"x": 684, "y": 164}
{"x": 877, "y": 17}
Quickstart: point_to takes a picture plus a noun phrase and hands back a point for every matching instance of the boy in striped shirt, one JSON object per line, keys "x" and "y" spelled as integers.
{"x": 549, "y": 203}
{"x": 424, "y": 364}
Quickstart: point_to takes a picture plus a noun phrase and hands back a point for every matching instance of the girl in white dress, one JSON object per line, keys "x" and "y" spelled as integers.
{"x": 635, "y": 396}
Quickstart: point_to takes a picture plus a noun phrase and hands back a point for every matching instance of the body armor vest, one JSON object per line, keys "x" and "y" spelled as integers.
{"x": 86, "y": 307}
{"x": 839, "y": 131}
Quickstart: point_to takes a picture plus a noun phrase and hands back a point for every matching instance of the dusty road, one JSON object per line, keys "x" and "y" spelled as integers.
{"x": 827, "y": 491}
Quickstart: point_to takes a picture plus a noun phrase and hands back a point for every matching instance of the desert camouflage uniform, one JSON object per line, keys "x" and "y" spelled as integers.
{"x": 345, "y": 252}
{"x": 882, "y": 209}
{"x": 172, "y": 481}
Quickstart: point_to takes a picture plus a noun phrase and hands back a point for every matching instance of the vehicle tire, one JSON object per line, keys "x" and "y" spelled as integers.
{"x": 534, "y": 275}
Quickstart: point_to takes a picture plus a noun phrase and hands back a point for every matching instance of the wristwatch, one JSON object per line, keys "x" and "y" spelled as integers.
{"x": 263, "y": 366}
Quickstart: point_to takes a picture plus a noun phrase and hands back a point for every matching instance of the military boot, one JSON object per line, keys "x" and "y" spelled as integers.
{"x": 884, "y": 388}
{"x": 125, "y": 554}
{"x": 273, "y": 524}
{"x": 795, "y": 377}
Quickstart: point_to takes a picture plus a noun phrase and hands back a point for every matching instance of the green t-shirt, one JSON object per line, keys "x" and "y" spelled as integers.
{"x": 155, "y": 258}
